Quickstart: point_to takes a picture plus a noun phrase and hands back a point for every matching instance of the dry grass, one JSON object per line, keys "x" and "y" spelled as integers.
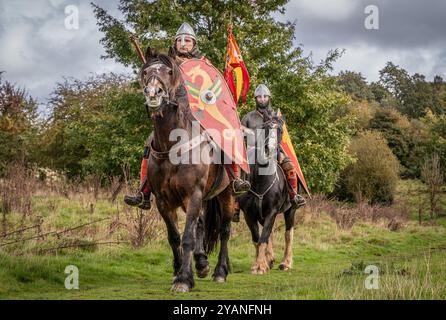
{"x": 346, "y": 215}
{"x": 48, "y": 215}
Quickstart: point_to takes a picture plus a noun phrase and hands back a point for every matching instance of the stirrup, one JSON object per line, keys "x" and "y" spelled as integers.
{"x": 242, "y": 187}
{"x": 298, "y": 201}
{"x": 141, "y": 200}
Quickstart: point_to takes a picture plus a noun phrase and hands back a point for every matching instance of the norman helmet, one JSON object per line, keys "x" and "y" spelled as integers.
{"x": 185, "y": 30}
{"x": 262, "y": 90}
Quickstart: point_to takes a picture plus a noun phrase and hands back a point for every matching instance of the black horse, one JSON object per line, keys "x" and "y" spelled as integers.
{"x": 268, "y": 197}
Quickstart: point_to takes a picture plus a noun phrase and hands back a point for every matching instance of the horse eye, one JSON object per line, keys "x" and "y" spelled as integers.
{"x": 170, "y": 72}
{"x": 146, "y": 90}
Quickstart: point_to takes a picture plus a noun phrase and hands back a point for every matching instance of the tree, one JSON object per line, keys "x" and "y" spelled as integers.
{"x": 382, "y": 95}
{"x": 18, "y": 124}
{"x": 304, "y": 92}
{"x": 373, "y": 175}
{"x": 96, "y": 127}
{"x": 432, "y": 175}
{"x": 438, "y": 95}
{"x": 414, "y": 95}
{"x": 396, "y": 130}
{"x": 433, "y": 136}
{"x": 355, "y": 85}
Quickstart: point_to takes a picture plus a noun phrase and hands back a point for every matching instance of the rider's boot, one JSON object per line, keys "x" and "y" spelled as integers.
{"x": 296, "y": 199}
{"x": 239, "y": 186}
{"x": 142, "y": 198}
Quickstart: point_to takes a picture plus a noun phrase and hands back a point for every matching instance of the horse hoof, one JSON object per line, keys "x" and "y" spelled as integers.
{"x": 284, "y": 267}
{"x": 219, "y": 279}
{"x": 180, "y": 287}
{"x": 258, "y": 270}
{"x": 203, "y": 272}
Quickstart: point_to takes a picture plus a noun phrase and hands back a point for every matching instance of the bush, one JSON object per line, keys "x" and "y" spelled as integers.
{"x": 373, "y": 176}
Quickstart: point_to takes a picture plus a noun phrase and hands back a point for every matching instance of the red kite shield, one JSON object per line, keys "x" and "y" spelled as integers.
{"x": 213, "y": 106}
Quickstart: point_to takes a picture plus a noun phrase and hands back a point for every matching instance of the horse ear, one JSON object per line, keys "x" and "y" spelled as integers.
{"x": 171, "y": 52}
{"x": 150, "y": 53}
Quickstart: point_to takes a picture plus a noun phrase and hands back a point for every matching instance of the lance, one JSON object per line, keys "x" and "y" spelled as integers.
{"x": 137, "y": 47}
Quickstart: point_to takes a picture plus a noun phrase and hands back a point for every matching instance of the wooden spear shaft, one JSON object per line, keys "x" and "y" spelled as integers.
{"x": 138, "y": 48}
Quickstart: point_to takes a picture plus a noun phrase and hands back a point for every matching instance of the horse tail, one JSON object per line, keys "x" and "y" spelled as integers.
{"x": 212, "y": 224}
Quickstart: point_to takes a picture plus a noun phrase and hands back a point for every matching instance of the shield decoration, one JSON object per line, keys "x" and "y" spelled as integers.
{"x": 213, "y": 106}
{"x": 288, "y": 148}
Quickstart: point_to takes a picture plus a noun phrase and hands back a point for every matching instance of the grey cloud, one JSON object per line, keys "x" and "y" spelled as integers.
{"x": 37, "y": 51}
{"x": 411, "y": 33}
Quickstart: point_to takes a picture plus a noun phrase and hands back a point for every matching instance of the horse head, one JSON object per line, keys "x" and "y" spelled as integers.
{"x": 160, "y": 78}
{"x": 273, "y": 126}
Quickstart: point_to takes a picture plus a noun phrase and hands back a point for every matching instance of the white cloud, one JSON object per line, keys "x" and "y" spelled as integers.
{"x": 369, "y": 60}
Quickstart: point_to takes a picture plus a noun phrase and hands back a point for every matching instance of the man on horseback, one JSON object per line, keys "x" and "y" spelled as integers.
{"x": 254, "y": 120}
{"x": 184, "y": 48}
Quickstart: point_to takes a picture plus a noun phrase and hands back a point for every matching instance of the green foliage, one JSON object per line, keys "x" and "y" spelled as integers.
{"x": 320, "y": 136}
{"x": 414, "y": 95}
{"x": 307, "y": 96}
{"x": 97, "y": 127}
{"x": 354, "y": 84}
{"x": 434, "y": 136}
{"x": 381, "y": 95}
{"x": 18, "y": 125}
{"x": 374, "y": 174}
{"x": 396, "y": 130}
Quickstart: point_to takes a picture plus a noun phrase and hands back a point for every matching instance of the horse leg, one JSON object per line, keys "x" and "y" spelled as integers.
{"x": 226, "y": 202}
{"x": 184, "y": 280}
{"x": 269, "y": 255}
{"x": 201, "y": 260}
{"x": 287, "y": 262}
{"x": 262, "y": 265}
{"x": 253, "y": 226}
{"x": 170, "y": 218}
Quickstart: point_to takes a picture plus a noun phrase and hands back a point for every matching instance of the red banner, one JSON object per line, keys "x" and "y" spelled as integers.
{"x": 288, "y": 148}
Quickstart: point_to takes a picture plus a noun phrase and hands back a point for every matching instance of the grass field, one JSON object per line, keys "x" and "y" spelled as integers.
{"x": 329, "y": 261}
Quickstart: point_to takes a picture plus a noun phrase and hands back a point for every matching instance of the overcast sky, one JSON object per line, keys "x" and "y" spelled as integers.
{"x": 36, "y": 50}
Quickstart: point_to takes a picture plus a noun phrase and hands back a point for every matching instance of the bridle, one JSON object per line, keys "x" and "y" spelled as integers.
{"x": 151, "y": 70}
{"x": 260, "y": 196}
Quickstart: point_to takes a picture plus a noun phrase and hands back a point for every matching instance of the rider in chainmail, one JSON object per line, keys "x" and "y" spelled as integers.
{"x": 185, "y": 48}
{"x": 254, "y": 120}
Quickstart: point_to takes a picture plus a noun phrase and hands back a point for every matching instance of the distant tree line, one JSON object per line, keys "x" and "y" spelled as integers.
{"x": 343, "y": 127}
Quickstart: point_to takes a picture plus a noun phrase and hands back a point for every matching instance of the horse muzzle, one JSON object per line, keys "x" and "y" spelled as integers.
{"x": 154, "y": 102}
{"x": 154, "y": 96}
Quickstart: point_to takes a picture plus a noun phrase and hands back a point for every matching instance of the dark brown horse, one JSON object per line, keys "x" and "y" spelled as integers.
{"x": 201, "y": 190}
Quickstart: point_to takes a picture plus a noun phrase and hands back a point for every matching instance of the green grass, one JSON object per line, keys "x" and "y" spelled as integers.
{"x": 325, "y": 267}
{"x": 328, "y": 263}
